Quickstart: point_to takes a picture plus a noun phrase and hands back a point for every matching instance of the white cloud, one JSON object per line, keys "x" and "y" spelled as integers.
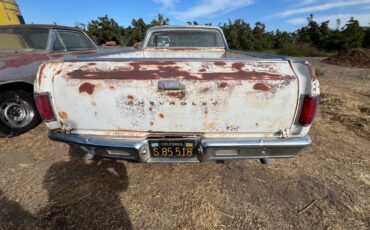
{"x": 307, "y": 2}
{"x": 206, "y": 8}
{"x": 166, "y": 4}
{"x": 201, "y": 8}
{"x": 322, "y": 7}
{"x": 364, "y": 19}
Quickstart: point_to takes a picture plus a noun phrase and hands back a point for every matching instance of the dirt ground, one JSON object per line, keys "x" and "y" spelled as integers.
{"x": 358, "y": 57}
{"x": 44, "y": 184}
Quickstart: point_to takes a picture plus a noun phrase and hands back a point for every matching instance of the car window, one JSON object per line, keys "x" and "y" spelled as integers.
{"x": 186, "y": 38}
{"x": 71, "y": 41}
{"x": 25, "y": 39}
{"x": 58, "y": 45}
{"x": 38, "y": 40}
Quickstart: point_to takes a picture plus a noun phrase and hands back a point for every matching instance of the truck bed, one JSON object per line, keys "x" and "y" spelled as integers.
{"x": 174, "y": 104}
{"x": 201, "y": 53}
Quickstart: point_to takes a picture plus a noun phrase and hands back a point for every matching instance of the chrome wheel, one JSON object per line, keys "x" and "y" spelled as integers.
{"x": 16, "y": 113}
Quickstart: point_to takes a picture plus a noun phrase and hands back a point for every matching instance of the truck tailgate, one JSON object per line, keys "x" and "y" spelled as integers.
{"x": 187, "y": 96}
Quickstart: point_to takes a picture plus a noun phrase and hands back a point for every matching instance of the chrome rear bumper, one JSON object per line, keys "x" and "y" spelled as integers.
{"x": 208, "y": 149}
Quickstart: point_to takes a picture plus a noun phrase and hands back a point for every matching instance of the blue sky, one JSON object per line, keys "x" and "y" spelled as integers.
{"x": 276, "y": 14}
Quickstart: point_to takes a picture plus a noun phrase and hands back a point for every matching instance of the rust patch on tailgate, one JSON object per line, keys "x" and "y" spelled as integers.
{"x": 219, "y": 63}
{"x": 152, "y": 70}
{"x": 163, "y": 71}
{"x": 238, "y": 66}
{"x": 222, "y": 85}
{"x": 179, "y": 95}
{"x": 244, "y": 75}
{"x": 87, "y": 88}
{"x": 261, "y": 87}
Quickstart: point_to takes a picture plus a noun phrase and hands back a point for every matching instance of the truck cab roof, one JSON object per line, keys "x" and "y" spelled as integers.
{"x": 39, "y": 26}
{"x": 184, "y": 28}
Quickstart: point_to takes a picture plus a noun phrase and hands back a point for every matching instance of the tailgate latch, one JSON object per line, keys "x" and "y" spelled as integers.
{"x": 171, "y": 85}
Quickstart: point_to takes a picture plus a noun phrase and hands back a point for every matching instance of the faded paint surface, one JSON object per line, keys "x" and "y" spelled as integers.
{"x": 219, "y": 96}
{"x": 21, "y": 67}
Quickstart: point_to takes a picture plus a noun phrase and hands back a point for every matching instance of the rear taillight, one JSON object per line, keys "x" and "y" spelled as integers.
{"x": 44, "y": 107}
{"x": 308, "y": 111}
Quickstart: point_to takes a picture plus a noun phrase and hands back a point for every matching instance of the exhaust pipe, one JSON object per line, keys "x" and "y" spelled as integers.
{"x": 90, "y": 153}
{"x": 266, "y": 161}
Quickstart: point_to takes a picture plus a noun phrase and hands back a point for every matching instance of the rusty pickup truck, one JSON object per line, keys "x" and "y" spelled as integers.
{"x": 183, "y": 97}
{"x": 22, "y": 49}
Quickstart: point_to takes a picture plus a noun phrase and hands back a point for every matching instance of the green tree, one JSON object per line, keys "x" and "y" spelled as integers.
{"x": 81, "y": 26}
{"x": 262, "y": 39}
{"x": 136, "y": 32}
{"x": 282, "y": 39}
{"x": 310, "y": 33}
{"x": 194, "y": 23}
{"x": 238, "y": 34}
{"x": 334, "y": 42}
{"x": 160, "y": 21}
{"x": 353, "y": 34}
{"x": 104, "y": 29}
{"x": 366, "y": 42}
{"x": 325, "y": 32}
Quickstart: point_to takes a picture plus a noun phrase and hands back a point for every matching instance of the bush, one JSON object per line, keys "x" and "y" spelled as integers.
{"x": 319, "y": 71}
{"x": 299, "y": 50}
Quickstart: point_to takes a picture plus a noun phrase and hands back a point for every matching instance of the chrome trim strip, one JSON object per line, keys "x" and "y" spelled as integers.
{"x": 96, "y": 141}
{"x": 276, "y": 142}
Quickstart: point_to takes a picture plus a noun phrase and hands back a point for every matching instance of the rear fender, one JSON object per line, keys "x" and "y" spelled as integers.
{"x": 44, "y": 84}
{"x": 308, "y": 85}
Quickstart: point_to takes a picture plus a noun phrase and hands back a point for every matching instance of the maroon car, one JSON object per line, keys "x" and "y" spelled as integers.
{"x": 22, "y": 49}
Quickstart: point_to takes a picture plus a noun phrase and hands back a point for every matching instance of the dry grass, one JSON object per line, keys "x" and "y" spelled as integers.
{"x": 46, "y": 185}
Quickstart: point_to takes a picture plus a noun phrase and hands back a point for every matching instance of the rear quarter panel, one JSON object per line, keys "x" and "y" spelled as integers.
{"x": 21, "y": 68}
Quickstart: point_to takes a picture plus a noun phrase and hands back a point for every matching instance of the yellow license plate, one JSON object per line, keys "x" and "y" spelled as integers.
{"x": 172, "y": 149}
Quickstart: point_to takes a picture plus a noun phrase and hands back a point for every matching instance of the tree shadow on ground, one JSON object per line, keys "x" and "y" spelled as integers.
{"x": 82, "y": 195}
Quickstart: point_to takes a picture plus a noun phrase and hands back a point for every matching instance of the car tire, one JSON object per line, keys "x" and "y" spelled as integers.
{"x": 18, "y": 113}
